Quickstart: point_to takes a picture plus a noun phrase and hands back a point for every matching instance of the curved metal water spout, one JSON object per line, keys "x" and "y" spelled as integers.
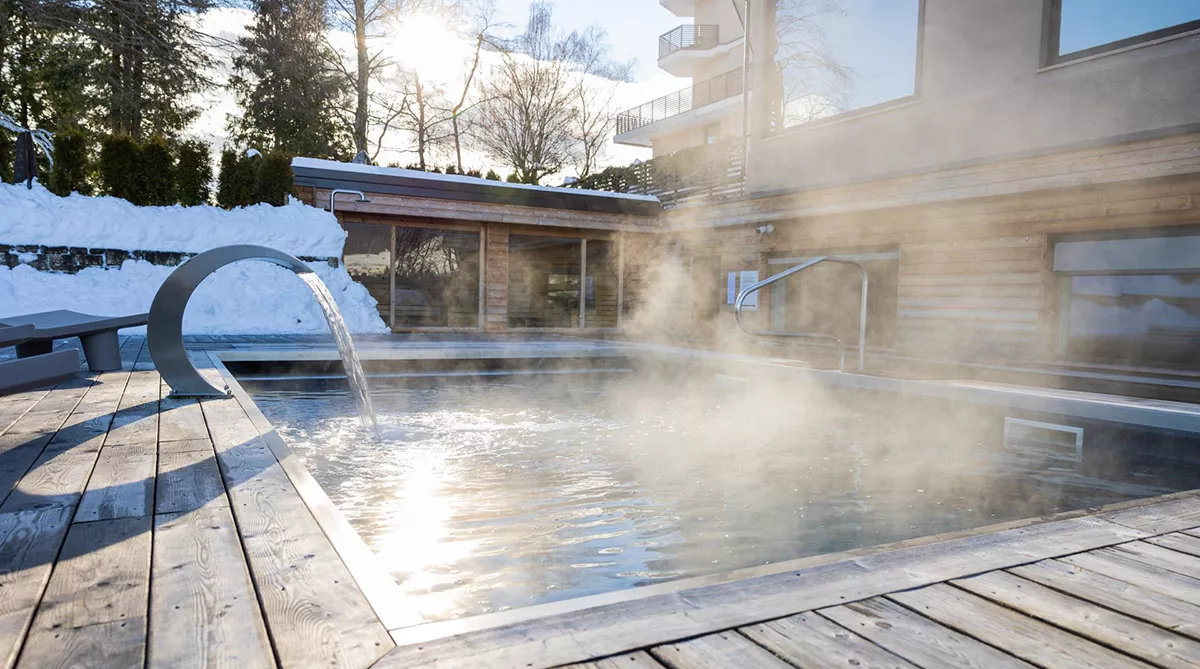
{"x": 164, "y": 330}
{"x": 862, "y": 315}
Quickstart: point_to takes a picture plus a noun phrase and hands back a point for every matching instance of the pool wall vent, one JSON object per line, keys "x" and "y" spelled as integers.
{"x": 1044, "y": 441}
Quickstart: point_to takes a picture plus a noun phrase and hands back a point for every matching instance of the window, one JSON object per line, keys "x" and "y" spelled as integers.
{"x": 548, "y": 280}
{"x": 1130, "y": 301}
{"x": 838, "y": 56}
{"x": 437, "y": 278}
{"x": 366, "y": 257}
{"x": 1081, "y": 28}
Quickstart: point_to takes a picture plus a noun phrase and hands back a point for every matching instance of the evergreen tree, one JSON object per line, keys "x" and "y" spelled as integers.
{"x": 148, "y": 61}
{"x": 285, "y": 85}
{"x": 119, "y": 166}
{"x": 71, "y": 164}
{"x": 236, "y": 184}
{"x": 273, "y": 183}
{"x": 194, "y": 172}
{"x": 155, "y": 174}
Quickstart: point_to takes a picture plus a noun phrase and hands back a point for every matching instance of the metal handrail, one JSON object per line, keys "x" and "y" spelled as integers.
{"x": 688, "y": 37}
{"x": 862, "y": 314}
{"x": 700, "y": 94}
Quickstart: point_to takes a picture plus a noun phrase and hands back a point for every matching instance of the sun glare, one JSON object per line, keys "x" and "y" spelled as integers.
{"x": 426, "y": 43}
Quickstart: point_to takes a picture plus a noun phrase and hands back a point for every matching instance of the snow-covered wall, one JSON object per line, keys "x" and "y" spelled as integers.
{"x": 244, "y": 298}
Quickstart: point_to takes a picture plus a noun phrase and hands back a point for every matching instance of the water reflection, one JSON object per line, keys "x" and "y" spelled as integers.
{"x": 492, "y": 495}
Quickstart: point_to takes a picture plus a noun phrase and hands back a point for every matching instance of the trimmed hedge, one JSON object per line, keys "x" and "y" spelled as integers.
{"x": 273, "y": 183}
{"x": 235, "y": 186}
{"x": 119, "y": 167}
{"x": 156, "y": 174}
{"x": 192, "y": 184}
{"x": 7, "y": 156}
{"x": 71, "y": 164}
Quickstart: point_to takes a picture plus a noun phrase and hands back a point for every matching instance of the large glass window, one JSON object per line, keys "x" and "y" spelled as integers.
{"x": 543, "y": 281}
{"x": 1081, "y": 28}
{"x": 1130, "y": 300}
{"x": 1134, "y": 319}
{"x": 437, "y": 278}
{"x": 366, "y": 254}
{"x": 836, "y": 56}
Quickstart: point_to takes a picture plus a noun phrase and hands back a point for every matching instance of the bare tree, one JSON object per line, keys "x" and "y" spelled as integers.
{"x": 597, "y": 82}
{"x": 812, "y": 83}
{"x": 482, "y": 14}
{"x": 424, "y": 115}
{"x": 546, "y": 95}
{"x": 369, "y": 20}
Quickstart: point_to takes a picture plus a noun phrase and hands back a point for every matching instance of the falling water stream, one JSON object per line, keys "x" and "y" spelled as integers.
{"x": 345, "y": 345}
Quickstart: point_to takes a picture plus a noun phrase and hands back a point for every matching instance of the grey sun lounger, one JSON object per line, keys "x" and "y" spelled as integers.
{"x": 98, "y": 334}
{"x": 35, "y": 371}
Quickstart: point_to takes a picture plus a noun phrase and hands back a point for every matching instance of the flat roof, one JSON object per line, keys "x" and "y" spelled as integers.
{"x": 330, "y": 174}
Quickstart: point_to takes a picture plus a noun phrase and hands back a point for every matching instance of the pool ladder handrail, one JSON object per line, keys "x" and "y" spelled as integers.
{"x": 775, "y": 278}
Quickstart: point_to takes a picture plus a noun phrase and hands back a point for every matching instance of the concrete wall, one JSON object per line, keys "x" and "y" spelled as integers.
{"x": 983, "y": 94}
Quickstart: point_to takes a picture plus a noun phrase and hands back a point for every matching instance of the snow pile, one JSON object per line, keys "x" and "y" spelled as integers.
{"x": 40, "y": 217}
{"x": 244, "y": 298}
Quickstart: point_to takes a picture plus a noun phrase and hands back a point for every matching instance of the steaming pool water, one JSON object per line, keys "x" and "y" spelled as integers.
{"x": 487, "y": 492}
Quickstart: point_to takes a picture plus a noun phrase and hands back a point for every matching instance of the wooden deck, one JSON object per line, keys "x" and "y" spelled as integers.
{"x": 139, "y": 530}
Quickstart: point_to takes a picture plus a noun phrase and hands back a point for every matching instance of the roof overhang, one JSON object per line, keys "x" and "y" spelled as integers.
{"x": 329, "y": 174}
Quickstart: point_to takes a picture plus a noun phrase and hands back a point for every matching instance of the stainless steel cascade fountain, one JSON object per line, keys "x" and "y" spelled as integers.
{"x": 164, "y": 331}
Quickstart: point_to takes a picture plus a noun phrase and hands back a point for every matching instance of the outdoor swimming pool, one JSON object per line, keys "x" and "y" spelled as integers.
{"x": 502, "y": 488}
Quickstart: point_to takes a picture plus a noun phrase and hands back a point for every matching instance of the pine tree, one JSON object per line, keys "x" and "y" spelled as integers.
{"x": 148, "y": 61}
{"x": 194, "y": 174}
{"x": 71, "y": 164}
{"x": 285, "y": 86}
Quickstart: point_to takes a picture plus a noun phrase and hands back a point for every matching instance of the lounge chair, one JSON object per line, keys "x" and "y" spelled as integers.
{"x": 35, "y": 371}
{"x": 98, "y": 334}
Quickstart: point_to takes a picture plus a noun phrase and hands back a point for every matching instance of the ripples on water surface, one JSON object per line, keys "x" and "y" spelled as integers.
{"x": 521, "y": 490}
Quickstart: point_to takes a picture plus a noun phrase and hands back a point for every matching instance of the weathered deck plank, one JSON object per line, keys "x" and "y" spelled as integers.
{"x": 638, "y": 660}
{"x": 1152, "y": 643}
{"x": 203, "y": 610}
{"x": 29, "y": 543}
{"x": 1164, "y": 558}
{"x": 808, "y": 640}
{"x": 122, "y": 484}
{"x": 1180, "y": 542}
{"x": 717, "y": 651}
{"x": 917, "y": 639}
{"x": 188, "y": 480}
{"x": 1133, "y": 600}
{"x": 1003, "y": 628}
{"x": 314, "y": 611}
{"x": 93, "y": 612}
{"x": 1150, "y": 577}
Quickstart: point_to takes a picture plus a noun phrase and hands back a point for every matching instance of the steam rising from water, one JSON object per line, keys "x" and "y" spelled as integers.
{"x": 493, "y": 494}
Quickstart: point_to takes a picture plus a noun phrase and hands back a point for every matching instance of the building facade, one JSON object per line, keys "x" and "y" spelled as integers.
{"x": 457, "y": 253}
{"x": 1020, "y": 184}
{"x": 708, "y": 49}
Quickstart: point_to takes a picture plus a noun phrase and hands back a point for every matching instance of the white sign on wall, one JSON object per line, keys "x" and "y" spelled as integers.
{"x": 731, "y": 288}
{"x": 749, "y": 278}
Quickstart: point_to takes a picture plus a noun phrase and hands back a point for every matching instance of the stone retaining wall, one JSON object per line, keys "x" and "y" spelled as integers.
{"x": 70, "y": 260}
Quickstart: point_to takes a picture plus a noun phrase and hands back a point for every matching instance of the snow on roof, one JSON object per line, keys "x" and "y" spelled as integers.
{"x": 354, "y": 168}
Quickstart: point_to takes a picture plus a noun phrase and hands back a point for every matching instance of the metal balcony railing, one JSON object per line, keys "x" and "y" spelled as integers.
{"x": 688, "y": 37}
{"x": 698, "y": 95}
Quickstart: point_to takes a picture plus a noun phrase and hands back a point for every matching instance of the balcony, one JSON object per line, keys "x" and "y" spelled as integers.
{"x": 680, "y": 50}
{"x": 684, "y": 107}
{"x": 688, "y": 38}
